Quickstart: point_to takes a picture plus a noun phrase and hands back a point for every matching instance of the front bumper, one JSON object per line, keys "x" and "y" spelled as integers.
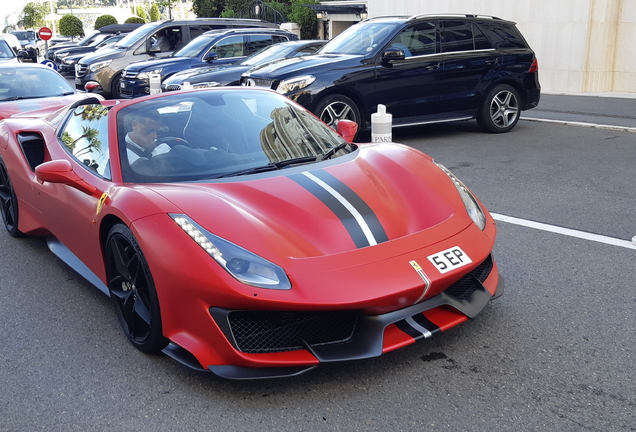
{"x": 133, "y": 88}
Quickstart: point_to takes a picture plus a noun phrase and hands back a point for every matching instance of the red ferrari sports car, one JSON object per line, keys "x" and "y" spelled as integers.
{"x": 238, "y": 234}
{"x": 33, "y": 87}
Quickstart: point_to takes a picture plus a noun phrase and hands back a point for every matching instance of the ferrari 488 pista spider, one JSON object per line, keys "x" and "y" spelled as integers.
{"x": 238, "y": 234}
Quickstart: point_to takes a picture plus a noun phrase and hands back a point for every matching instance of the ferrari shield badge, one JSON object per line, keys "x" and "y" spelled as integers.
{"x": 427, "y": 281}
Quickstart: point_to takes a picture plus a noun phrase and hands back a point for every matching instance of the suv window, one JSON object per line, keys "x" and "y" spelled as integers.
{"x": 85, "y": 136}
{"x": 504, "y": 35}
{"x": 416, "y": 40}
{"x": 229, "y": 47}
{"x": 198, "y": 30}
{"x": 457, "y": 36}
{"x": 481, "y": 41}
{"x": 256, "y": 42}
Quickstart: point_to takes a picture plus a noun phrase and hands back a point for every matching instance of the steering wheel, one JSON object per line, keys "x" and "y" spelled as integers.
{"x": 173, "y": 141}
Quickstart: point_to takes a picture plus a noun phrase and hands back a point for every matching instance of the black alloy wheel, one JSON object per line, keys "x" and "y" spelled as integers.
{"x": 132, "y": 291}
{"x": 500, "y": 109}
{"x": 8, "y": 202}
{"x": 338, "y": 107}
{"x": 114, "y": 87}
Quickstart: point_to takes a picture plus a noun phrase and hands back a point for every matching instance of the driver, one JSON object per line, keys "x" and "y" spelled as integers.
{"x": 141, "y": 142}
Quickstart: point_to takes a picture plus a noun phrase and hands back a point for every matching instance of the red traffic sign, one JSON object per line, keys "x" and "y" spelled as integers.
{"x": 45, "y": 33}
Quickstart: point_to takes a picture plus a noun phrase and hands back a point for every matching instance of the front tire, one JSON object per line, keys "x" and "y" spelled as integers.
{"x": 8, "y": 203}
{"x": 337, "y": 107}
{"x": 132, "y": 291}
{"x": 114, "y": 87}
{"x": 500, "y": 109}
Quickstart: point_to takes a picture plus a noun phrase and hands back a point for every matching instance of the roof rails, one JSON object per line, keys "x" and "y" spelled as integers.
{"x": 454, "y": 15}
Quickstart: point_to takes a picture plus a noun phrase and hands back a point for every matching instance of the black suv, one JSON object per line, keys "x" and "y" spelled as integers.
{"x": 424, "y": 69}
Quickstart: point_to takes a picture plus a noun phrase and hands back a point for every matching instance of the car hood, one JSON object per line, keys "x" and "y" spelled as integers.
{"x": 38, "y": 107}
{"x": 298, "y": 65}
{"x": 285, "y": 215}
{"x": 215, "y": 73}
{"x": 106, "y": 54}
{"x": 159, "y": 63}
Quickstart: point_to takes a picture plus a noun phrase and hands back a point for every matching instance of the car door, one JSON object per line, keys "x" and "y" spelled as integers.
{"x": 470, "y": 63}
{"x": 410, "y": 88}
{"x": 70, "y": 213}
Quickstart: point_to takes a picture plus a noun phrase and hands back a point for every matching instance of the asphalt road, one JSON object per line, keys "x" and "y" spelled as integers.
{"x": 555, "y": 353}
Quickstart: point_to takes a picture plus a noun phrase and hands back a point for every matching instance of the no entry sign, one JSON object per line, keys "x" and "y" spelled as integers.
{"x": 45, "y": 33}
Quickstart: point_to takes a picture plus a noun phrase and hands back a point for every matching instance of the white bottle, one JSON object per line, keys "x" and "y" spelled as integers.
{"x": 381, "y": 125}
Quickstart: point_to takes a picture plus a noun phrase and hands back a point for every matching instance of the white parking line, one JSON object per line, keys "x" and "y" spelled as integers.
{"x": 584, "y": 124}
{"x": 565, "y": 231}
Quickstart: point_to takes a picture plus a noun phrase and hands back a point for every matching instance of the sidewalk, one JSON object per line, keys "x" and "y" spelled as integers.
{"x": 606, "y": 109}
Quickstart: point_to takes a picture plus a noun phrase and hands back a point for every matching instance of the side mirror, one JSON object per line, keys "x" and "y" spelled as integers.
{"x": 211, "y": 56}
{"x": 393, "y": 54}
{"x": 61, "y": 172}
{"x": 154, "y": 50}
{"x": 92, "y": 86}
{"x": 347, "y": 129}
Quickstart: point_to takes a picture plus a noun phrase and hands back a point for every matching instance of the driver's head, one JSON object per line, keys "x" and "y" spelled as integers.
{"x": 145, "y": 126}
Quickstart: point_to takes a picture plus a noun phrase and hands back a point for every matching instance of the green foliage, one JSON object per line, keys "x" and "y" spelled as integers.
{"x": 104, "y": 20}
{"x": 305, "y": 18}
{"x": 154, "y": 12}
{"x": 135, "y": 20}
{"x": 282, "y": 8}
{"x": 141, "y": 12}
{"x": 33, "y": 15}
{"x": 208, "y": 8}
{"x": 228, "y": 13}
{"x": 237, "y": 5}
{"x": 70, "y": 25}
{"x": 169, "y": 4}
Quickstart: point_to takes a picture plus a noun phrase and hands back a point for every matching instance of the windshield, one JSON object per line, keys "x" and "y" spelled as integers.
{"x": 267, "y": 54}
{"x": 98, "y": 39}
{"x": 5, "y": 51}
{"x": 137, "y": 35}
{"x": 218, "y": 133}
{"x": 359, "y": 39}
{"x": 24, "y": 35}
{"x": 31, "y": 82}
{"x": 196, "y": 47}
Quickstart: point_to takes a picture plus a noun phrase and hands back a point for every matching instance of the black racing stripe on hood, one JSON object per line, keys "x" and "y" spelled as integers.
{"x": 367, "y": 213}
{"x": 347, "y": 219}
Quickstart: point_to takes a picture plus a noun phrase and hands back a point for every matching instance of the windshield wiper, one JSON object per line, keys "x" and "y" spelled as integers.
{"x": 333, "y": 151}
{"x": 272, "y": 166}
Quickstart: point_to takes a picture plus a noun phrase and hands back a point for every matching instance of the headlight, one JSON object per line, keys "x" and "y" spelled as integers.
{"x": 472, "y": 207}
{"x": 293, "y": 84}
{"x": 240, "y": 263}
{"x": 61, "y": 55}
{"x": 99, "y": 65}
{"x": 146, "y": 75}
{"x": 69, "y": 61}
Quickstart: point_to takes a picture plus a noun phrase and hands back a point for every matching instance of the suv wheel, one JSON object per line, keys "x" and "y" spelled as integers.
{"x": 338, "y": 107}
{"x": 499, "y": 111}
{"x": 114, "y": 87}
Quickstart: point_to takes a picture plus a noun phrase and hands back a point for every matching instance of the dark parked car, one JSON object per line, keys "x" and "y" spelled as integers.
{"x": 94, "y": 38}
{"x": 31, "y": 43}
{"x": 224, "y": 75}
{"x": 424, "y": 69}
{"x": 66, "y": 58}
{"x": 218, "y": 46}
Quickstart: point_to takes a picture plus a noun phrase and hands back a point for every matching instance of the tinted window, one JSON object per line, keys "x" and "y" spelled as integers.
{"x": 85, "y": 136}
{"x": 256, "y": 42}
{"x": 457, "y": 36}
{"x": 198, "y": 30}
{"x": 416, "y": 40}
{"x": 229, "y": 47}
{"x": 481, "y": 41}
{"x": 505, "y": 35}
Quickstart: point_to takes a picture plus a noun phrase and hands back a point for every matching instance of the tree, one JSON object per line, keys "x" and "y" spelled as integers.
{"x": 135, "y": 20}
{"x": 208, "y": 8}
{"x": 305, "y": 18}
{"x": 33, "y": 15}
{"x": 104, "y": 20}
{"x": 70, "y": 25}
{"x": 141, "y": 12}
{"x": 169, "y": 4}
{"x": 154, "y": 12}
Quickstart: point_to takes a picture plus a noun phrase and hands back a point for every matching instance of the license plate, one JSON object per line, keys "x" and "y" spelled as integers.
{"x": 78, "y": 82}
{"x": 449, "y": 259}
